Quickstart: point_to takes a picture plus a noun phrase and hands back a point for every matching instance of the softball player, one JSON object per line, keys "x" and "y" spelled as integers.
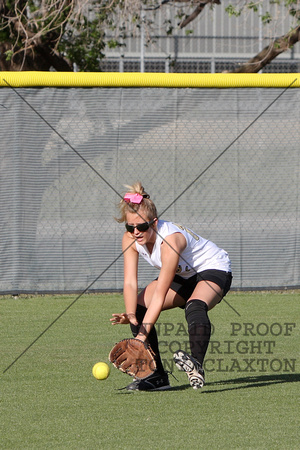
{"x": 194, "y": 274}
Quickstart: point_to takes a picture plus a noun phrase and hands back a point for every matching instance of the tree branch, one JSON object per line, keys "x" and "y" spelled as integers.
{"x": 197, "y": 11}
{"x": 278, "y": 46}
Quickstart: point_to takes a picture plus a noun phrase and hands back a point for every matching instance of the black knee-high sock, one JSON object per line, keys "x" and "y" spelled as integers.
{"x": 152, "y": 337}
{"x": 199, "y": 328}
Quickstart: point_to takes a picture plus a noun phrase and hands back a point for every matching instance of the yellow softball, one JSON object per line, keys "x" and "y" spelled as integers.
{"x": 101, "y": 371}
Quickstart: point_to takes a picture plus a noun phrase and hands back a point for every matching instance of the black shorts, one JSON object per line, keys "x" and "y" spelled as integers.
{"x": 185, "y": 287}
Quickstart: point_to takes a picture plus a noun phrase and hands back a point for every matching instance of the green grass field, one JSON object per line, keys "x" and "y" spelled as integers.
{"x": 50, "y": 400}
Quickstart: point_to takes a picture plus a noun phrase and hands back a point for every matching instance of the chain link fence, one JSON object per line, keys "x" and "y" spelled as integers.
{"x": 65, "y": 160}
{"x": 192, "y": 65}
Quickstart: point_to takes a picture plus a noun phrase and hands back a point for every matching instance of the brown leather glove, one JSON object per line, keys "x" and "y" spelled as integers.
{"x": 133, "y": 357}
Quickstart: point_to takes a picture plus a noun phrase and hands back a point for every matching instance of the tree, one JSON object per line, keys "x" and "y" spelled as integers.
{"x": 45, "y": 34}
{"x": 58, "y": 34}
{"x": 276, "y": 46}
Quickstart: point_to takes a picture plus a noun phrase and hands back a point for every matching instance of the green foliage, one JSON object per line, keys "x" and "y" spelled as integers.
{"x": 168, "y": 27}
{"x": 77, "y": 38}
{"x": 253, "y": 6}
{"x": 288, "y": 3}
{"x": 233, "y": 11}
{"x": 9, "y": 55}
{"x": 4, "y": 35}
{"x": 113, "y": 43}
{"x": 79, "y": 30}
{"x": 180, "y": 14}
{"x": 11, "y": 3}
{"x": 266, "y": 18}
{"x": 84, "y": 47}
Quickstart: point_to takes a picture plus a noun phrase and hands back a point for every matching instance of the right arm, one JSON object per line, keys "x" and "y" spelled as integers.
{"x": 130, "y": 288}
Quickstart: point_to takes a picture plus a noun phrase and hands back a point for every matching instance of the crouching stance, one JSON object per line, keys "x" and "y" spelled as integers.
{"x": 194, "y": 274}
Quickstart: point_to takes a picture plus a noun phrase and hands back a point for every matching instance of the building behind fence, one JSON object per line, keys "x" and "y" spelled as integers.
{"x": 218, "y": 42}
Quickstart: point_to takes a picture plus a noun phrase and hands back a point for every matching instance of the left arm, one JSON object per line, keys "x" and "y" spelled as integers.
{"x": 170, "y": 251}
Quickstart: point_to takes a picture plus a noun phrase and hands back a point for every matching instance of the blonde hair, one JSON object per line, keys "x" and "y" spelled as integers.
{"x": 146, "y": 205}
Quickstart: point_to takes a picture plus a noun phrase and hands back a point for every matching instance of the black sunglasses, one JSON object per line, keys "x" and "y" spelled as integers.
{"x": 140, "y": 227}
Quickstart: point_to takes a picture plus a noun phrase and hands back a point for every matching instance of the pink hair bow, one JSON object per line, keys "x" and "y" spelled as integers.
{"x": 133, "y": 198}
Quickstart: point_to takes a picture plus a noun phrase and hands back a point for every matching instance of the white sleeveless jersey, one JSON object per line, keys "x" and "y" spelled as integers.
{"x": 200, "y": 254}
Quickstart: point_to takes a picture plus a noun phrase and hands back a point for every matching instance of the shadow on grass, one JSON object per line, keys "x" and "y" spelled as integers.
{"x": 171, "y": 389}
{"x": 242, "y": 382}
{"x": 252, "y": 382}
